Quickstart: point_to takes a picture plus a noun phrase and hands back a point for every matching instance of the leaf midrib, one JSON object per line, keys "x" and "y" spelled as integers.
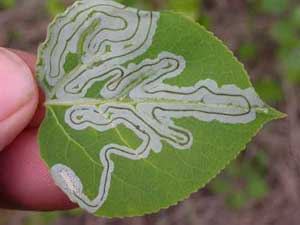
{"x": 91, "y": 101}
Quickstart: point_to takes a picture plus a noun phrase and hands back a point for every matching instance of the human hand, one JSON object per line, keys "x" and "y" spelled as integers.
{"x": 25, "y": 182}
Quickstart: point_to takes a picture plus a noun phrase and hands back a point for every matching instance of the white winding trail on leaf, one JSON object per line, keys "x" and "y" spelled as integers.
{"x": 108, "y": 35}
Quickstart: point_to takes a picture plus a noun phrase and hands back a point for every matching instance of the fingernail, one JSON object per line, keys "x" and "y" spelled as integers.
{"x": 16, "y": 83}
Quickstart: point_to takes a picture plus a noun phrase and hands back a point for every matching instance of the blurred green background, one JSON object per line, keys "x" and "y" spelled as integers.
{"x": 263, "y": 185}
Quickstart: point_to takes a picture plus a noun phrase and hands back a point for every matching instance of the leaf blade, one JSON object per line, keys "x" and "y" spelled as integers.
{"x": 178, "y": 132}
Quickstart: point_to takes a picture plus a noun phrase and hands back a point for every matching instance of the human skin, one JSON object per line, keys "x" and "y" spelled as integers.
{"x": 25, "y": 182}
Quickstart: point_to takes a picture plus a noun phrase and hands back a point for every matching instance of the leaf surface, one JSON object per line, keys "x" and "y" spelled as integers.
{"x": 143, "y": 108}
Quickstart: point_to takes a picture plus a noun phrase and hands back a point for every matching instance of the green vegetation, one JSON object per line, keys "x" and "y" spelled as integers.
{"x": 286, "y": 33}
{"x": 269, "y": 90}
{"x": 53, "y": 7}
{"x": 48, "y": 218}
{"x": 248, "y": 51}
{"x": 243, "y": 181}
{"x": 6, "y": 4}
{"x": 274, "y": 6}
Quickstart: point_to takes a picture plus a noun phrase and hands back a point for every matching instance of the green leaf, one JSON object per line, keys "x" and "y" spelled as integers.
{"x": 248, "y": 51}
{"x": 290, "y": 64}
{"x": 54, "y": 7}
{"x": 269, "y": 90}
{"x": 236, "y": 200}
{"x": 284, "y": 33}
{"x": 143, "y": 109}
{"x": 274, "y": 6}
{"x": 6, "y": 4}
{"x": 295, "y": 17}
{"x": 257, "y": 187}
{"x": 221, "y": 186}
{"x": 188, "y": 7}
{"x": 243, "y": 181}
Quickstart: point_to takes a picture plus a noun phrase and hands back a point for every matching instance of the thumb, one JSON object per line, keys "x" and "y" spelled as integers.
{"x": 18, "y": 96}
